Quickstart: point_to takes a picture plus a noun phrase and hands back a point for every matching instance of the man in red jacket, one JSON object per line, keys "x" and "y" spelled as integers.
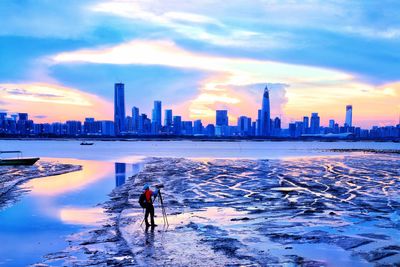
{"x": 149, "y": 204}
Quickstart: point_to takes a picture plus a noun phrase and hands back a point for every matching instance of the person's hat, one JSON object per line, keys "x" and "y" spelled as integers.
{"x": 146, "y": 186}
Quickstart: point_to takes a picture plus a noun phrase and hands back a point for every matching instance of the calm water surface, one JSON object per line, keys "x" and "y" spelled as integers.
{"x": 56, "y": 207}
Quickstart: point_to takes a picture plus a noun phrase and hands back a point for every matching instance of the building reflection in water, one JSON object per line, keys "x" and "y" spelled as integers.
{"x": 120, "y": 173}
{"x": 136, "y": 168}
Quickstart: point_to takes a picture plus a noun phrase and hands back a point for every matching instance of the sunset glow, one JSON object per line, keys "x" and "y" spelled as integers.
{"x": 196, "y": 58}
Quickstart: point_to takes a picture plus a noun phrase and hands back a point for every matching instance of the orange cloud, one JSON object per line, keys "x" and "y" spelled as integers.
{"x": 53, "y": 102}
{"x": 371, "y": 105}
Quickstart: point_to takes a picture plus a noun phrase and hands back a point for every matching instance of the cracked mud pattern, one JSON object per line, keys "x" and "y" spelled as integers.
{"x": 321, "y": 211}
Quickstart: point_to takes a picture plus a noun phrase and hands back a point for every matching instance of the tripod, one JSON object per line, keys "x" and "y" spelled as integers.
{"x": 164, "y": 213}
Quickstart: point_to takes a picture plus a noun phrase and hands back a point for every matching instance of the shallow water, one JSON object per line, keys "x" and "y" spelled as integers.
{"x": 56, "y": 207}
{"x": 61, "y": 205}
{"x": 124, "y": 151}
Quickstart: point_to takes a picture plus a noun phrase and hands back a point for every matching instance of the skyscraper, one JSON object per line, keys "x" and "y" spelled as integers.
{"x": 265, "y": 123}
{"x": 349, "y": 116}
{"x": 177, "y": 125}
{"x": 277, "y": 127}
{"x": 331, "y": 124}
{"x": 119, "y": 108}
{"x": 221, "y": 118}
{"x": 315, "y": 120}
{"x": 306, "y": 122}
{"x": 197, "y": 127}
{"x": 156, "y": 115}
{"x": 168, "y": 118}
{"x": 135, "y": 119}
{"x": 258, "y": 123}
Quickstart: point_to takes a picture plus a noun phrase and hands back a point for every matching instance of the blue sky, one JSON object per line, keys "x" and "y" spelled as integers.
{"x": 197, "y": 56}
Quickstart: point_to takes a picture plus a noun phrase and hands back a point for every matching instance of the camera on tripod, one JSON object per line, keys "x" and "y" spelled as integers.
{"x": 159, "y": 186}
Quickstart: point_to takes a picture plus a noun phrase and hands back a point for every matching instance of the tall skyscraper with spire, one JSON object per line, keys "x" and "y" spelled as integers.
{"x": 119, "y": 108}
{"x": 349, "y": 116}
{"x": 265, "y": 123}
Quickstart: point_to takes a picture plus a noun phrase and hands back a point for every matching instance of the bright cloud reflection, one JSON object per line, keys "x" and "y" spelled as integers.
{"x": 91, "y": 172}
{"x": 82, "y": 216}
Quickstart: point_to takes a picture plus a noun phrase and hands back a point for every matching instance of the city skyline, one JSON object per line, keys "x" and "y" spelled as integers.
{"x": 139, "y": 124}
{"x": 200, "y": 57}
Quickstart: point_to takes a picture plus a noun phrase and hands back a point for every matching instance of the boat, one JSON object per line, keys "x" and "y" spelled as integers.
{"x": 84, "y": 143}
{"x": 19, "y": 160}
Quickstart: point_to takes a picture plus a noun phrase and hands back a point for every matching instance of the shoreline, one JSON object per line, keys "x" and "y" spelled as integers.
{"x": 12, "y": 177}
{"x": 199, "y": 139}
{"x": 363, "y": 150}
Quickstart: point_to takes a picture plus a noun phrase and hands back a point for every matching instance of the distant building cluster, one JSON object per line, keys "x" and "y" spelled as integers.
{"x": 137, "y": 124}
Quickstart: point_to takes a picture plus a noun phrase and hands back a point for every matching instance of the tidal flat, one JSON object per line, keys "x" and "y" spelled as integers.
{"x": 340, "y": 210}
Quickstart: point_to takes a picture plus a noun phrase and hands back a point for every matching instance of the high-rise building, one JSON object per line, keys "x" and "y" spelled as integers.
{"x": 244, "y": 126}
{"x": 315, "y": 121}
{"x": 128, "y": 124}
{"x": 156, "y": 114}
{"x": 74, "y": 128}
{"x": 197, "y": 127}
{"x": 221, "y": 118}
{"x": 177, "y": 125}
{"x": 135, "y": 119}
{"x": 107, "y": 128}
{"x": 277, "y": 127}
{"x": 119, "y": 108}
{"x": 187, "y": 127}
{"x": 332, "y": 124}
{"x": 349, "y": 116}
{"x": 299, "y": 128}
{"x": 265, "y": 123}
{"x": 22, "y": 116}
{"x": 306, "y": 123}
{"x": 168, "y": 118}
{"x": 24, "y": 125}
{"x": 292, "y": 129}
{"x": 210, "y": 130}
{"x": 258, "y": 123}
{"x": 3, "y": 116}
{"x": 89, "y": 126}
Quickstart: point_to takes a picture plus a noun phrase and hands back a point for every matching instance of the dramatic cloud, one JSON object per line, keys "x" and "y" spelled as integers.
{"x": 193, "y": 26}
{"x": 303, "y": 85}
{"x": 217, "y": 90}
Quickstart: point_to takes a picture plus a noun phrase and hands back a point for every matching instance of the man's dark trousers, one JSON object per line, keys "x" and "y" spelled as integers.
{"x": 149, "y": 210}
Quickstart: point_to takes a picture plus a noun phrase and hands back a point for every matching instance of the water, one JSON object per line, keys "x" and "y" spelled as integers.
{"x": 61, "y": 205}
{"x": 127, "y": 151}
{"x": 56, "y": 207}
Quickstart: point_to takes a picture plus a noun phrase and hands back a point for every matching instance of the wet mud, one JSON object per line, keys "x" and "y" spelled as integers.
{"x": 320, "y": 211}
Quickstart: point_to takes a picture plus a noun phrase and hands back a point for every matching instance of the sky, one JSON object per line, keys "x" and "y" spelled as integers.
{"x": 59, "y": 60}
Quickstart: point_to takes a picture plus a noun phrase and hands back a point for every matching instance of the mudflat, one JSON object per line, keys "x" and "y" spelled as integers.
{"x": 313, "y": 211}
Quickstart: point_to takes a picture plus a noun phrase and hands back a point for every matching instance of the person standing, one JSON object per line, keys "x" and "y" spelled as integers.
{"x": 146, "y": 201}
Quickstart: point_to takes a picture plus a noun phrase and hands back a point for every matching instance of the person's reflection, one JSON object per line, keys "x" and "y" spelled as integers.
{"x": 120, "y": 174}
{"x": 149, "y": 240}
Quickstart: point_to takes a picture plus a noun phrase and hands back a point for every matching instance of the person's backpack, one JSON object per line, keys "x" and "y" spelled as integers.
{"x": 142, "y": 200}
